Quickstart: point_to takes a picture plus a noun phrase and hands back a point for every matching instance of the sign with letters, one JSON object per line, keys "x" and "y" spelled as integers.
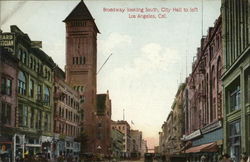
{"x": 7, "y": 41}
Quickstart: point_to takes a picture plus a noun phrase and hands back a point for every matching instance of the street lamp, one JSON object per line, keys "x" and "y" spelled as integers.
{"x": 99, "y": 151}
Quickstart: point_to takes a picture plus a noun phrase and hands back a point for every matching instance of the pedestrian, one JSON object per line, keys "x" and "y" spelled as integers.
{"x": 248, "y": 160}
{"x": 226, "y": 158}
{"x": 243, "y": 157}
{"x": 203, "y": 158}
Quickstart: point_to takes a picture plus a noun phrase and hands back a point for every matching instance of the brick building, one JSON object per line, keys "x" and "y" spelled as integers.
{"x": 203, "y": 99}
{"x": 67, "y": 117}
{"x": 80, "y": 69}
{"x": 34, "y": 109}
{"x": 8, "y": 99}
{"x": 104, "y": 112}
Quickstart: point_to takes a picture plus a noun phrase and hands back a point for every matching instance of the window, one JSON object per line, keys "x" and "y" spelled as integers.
{"x": 39, "y": 92}
{"x": 6, "y": 86}
{"x": 234, "y": 140}
{"x": 235, "y": 99}
{"x": 47, "y": 96}
{"x": 21, "y": 83}
{"x": 5, "y": 112}
{"x": 46, "y": 123}
{"x": 22, "y": 55}
{"x": 76, "y": 60}
{"x": 32, "y": 120}
{"x": 39, "y": 120}
{"x": 247, "y": 85}
{"x": 31, "y": 88}
{"x": 23, "y": 115}
{"x": 31, "y": 62}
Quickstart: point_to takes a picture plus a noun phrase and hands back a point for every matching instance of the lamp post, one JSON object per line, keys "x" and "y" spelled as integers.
{"x": 99, "y": 151}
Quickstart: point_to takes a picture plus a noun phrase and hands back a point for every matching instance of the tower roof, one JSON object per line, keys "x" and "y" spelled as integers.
{"x": 80, "y": 12}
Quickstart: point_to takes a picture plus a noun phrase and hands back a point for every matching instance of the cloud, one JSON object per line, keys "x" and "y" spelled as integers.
{"x": 114, "y": 40}
{"x": 152, "y": 58}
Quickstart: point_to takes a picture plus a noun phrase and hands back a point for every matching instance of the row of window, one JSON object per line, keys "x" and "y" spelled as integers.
{"x": 79, "y": 88}
{"x": 68, "y": 100}
{"x": 67, "y": 114}
{"x": 66, "y": 129}
{"x": 33, "y": 118}
{"x": 41, "y": 95}
{"x": 78, "y": 23}
{"x": 34, "y": 64}
{"x": 79, "y": 60}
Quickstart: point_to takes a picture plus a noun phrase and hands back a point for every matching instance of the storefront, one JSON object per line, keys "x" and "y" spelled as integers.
{"x": 206, "y": 143}
{"x": 6, "y": 145}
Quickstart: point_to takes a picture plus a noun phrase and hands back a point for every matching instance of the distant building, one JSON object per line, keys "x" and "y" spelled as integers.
{"x": 103, "y": 127}
{"x": 117, "y": 143}
{"x": 136, "y": 142}
{"x": 80, "y": 69}
{"x": 236, "y": 78}
{"x": 144, "y": 148}
{"x": 67, "y": 117}
{"x": 173, "y": 127}
{"x": 8, "y": 100}
{"x": 124, "y": 127}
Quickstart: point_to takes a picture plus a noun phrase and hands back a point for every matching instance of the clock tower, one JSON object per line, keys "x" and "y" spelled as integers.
{"x": 81, "y": 58}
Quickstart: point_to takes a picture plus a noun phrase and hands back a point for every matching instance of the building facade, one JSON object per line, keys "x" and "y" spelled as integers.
{"x": 8, "y": 101}
{"x": 117, "y": 143}
{"x": 136, "y": 142}
{"x": 236, "y": 78}
{"x": 80, "y": 69}
{"x": 104, "y": 112}
{"x": 67, "y": 117}
{"x": 173, "y": 128}
{"x": 34, "y": 106}
{"x": 124, "y": 127}
{"x": 203, "y": 99}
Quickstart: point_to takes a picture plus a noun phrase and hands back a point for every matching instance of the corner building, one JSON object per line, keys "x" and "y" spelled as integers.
{"x": 81, "y": 56}
{"x": 236, "y": 78}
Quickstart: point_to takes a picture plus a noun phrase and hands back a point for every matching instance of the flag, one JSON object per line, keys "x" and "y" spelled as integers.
{"x": 132, "y": 122}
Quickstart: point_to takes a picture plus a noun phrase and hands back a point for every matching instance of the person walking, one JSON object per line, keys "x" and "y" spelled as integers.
{"x": 243, "y": 157}
{"x": 226, "y": 158}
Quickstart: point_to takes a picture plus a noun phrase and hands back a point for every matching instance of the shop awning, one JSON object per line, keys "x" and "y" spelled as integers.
{"x": 209, "y": 147}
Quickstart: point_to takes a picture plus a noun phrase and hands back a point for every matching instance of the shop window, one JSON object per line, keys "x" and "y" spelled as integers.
{"x": 5, "y": 112}
{"x": 234, "y": 140}
{"x": 21, "y": 83}
{"x": 6, "y": 86}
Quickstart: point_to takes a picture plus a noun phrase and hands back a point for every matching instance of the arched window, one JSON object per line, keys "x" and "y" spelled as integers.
{"x": 21, "y": 83}
{"x": 47, "y": 96}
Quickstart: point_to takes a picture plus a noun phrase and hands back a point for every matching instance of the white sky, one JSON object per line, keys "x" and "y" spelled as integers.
{"x": 149, "y": 55}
